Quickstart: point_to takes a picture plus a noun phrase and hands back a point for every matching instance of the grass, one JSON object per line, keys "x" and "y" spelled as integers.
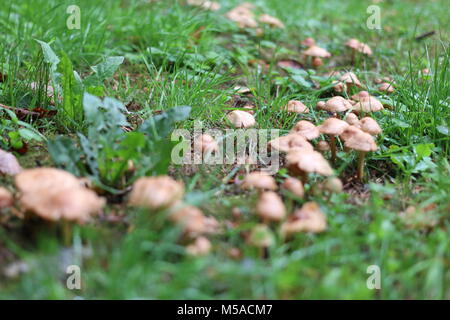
{"x": 179, "y": 55}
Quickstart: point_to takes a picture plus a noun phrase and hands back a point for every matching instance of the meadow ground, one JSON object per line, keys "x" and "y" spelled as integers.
{"x": 180, "y": 55}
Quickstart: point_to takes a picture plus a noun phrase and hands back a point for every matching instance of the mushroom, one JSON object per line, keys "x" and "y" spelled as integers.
{"x": 317, "y": 62}
{"x": 200, "y": 247}
{"x": 352, "y": 119}
{"x": 205, "y": 4}
{"x": 333, "y": 185}
{"x": 350, "y": 79}
{"x": 356, "y": 46}
{"x": 294, "y": 186}
{"x": 369, "y": 104}
{"x": 305, "y": 161}
{"x": 306, "y": 129}
{"x": 335, "y": 105}
{"x": 206, "y": 144}
{"x": 323, "y": 146}
{"x": 261, "y": 236}
{"x": 296, "y": 106}
{"x": 193, "y": 221}
{"x": 309, "y": 218}
{"x": 259, "y": 180}
{"x": 271, "y": 21}
{"x": 333, "y": 127}
{"x": 9, "y": 164}
{"x": 241, "y": 119}
{"x": 270, "y": 207}
{"x": 386, "y": 87}
{"x": 6, "y": 198}
{"x": 370, "y": 126}
{"x": 360, "y": 96}
{"x": 243, "y": 16}
{"x": 56, "y": 195}
{"x": 309, "y": 42}
{"x": 360, "y": 141}
{"x": 316, "y": 52}
{"x": 156, "y": 193}
{"x": 290, "y": 142}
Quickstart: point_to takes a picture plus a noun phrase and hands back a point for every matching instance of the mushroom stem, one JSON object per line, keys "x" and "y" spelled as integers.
{"x": 66, "y": 233}
{"x": 333, "y": 148}
{"x": 361, "y": 156}
{"x": 304, "y": 177}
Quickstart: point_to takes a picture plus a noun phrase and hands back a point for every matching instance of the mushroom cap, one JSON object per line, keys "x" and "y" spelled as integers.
{"x": 309, "y": 218}
{"x": 309, "y": 42}
{"x": 6, "y": 198}
{"x": 333, "y": 185}
{"x": 306, "y": 129}
{"x": 350, "y": 79}
{"x": 241, "y": 119}
{"x": 322, "y": 146}
{"x": 271, "y": 21}
{"x": 386, "y": 87}
{"x": 201, "y": 246}
{"x": 308, "y": 161}
{"x": 371, "y": 104}
{"x": 317, "y": 62}
{"x": 77, "y": 204}
{"x": 296, "y": 106}
{"x": 193, "y": 221}
{"x": 357, "y": 139}
{"x": 270, "y": 206}
{"x": 333, "y": 126}
{"x": 290, "y": 142}
{"x": 243, "y": 16}
{"x": 315, "y": 51}
{"x": 156, "y": 192}
{"x": 259, "y": 180}
{"x": 207, "y": 144}
{"x": 295, "y": 186}
{"x": 337, "y": 104}
{"x": 358, "y": 46}
{"x": 9, "y": 164}
{"x": 261, "y": 236}
{"x": 370, "y": 126}
{"x": 352, "y": 119}
{"x": 38, "y": 179}
{"x": 205, "y": 4}
{"x": 362, "y": 95}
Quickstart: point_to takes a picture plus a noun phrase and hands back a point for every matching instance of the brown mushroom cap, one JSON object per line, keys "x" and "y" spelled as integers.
{"x": 370, "y": 126}
{"x": 371, "y": 104}
{"x": 9, "y": 164}
{"x": 259, "y": 180}
{"x": 296, "y": 106}
{"x": 54, "y": 194}
{"x": 241, "y": 119}
{"x": 309, "y": 42}
{"x": 333, "y": 185}
{"x": 315, "y": 51}
{"x": 201, "y": 246}
{"x": 193, "y": 221}
{"x": 270, "y": 206}
{"x": 205, "y": 4}
{"x": 333, "y": 126}
{"x": 207, "y": 144}
{"x": 308, "y": 161}
{"x": 295, "y": 186}
{"x": 243, "y": 16}
{"x": 271, "y": 21}
{"x": 337, "y": 104}
{"x": 359, "y": 140}
{"x": 386, "y": 87}
{"x": 352, "y": 119}
{"x": 362, "y": 95}
{"x": 307, "y": 219}
{"x": 350, "y": 79}
{"x": 156, "y": 192}
{"x": 358, "y": 46}
{"x": 323, "y": 146}
{"x": 261, "y": 236}
{"x": 290, "y": 142}
{"x": 306, "y": 129}
{"x": 6, "y": 198}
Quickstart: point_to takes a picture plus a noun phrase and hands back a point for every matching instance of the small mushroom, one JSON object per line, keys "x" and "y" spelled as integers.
{"x": 349, "y": 79}
{"x": 193, "y": 221}
{"x": 356, "y": 46}
{"x": 241, "y": 119}
{"x": 243, "y": 16}
{"x": 333, "y": 127}
{"x": 156, "y": 193}
{"x": 201, "y": 247}
{"x": 270, "y": 207}
{"x": 207, "y": 144}
{"x": 386, "y": 87}
{"x": 309, "y": 218}
{"x": 323, "y": 146}
{"x": 309, "y": 42}
{"x": 296, "y": 106}
{"x": 259, "y": 180}
{"x": 352, "y": 119}
{"x": 205, "y": 4}
{"x": 333, "y": 185}
{"x": 290, "y": 142}
{"x": 9, "y": 164}
{"x": 370, "y": 104}
{"x": 360, "y": 141}
{"x": 6, "y": 198}
{"x": 261, "y": 236}
{"x": 294, "y": 186}
{"x": 304, "y": 161}
{"x": 335, "y": 105}
{"x": 370, "y": 126}
{"x": 317, "y": 62}
{"x": 316, "y": 52}
{"x": 306, "y": 129}
{"x": 271, "y": 21}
